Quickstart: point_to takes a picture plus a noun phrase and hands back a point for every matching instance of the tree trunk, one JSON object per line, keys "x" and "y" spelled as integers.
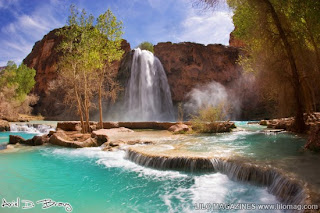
{"x": 315, "y": 46}
{"x": 79, "y": 109}
{"x": 100, "y": 107}
{"x": 86, "y": 105}
{"x": 78, "y": 100}
{"x": 299, "y": 120}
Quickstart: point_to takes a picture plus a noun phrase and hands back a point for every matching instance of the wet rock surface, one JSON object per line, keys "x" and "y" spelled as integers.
{"x": 4, "y": 126}
{"x": 179, "y": 128}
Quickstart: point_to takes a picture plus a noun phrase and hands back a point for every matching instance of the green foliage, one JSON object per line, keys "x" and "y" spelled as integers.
{"x": 20, "y": 78}
{"x": 146, "y": 46}
{"x": 88, "y": 50}
{"x": 273, "y": 59}
{"x": 207, "y": 119}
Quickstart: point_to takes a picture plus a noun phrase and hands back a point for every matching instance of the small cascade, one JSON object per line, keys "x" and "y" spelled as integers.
{"x": 285, "y": 188}
{"x": 40, "y": 129}
{"x": 147, "y": 96}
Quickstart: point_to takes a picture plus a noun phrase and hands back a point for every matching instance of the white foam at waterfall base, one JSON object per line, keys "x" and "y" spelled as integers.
{"x": 147, "y": 96}
{"x": 205, "y": 188}
{"x": 115, "y": 159}
{"x": 39, "y": 129}
{"x": 218, "y": 188}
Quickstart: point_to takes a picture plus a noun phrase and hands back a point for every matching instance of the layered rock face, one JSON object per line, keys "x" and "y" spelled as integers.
{"x": 190, "y": 64}
{"x": 44, "y": 59}
{"x": 187, "y": 65}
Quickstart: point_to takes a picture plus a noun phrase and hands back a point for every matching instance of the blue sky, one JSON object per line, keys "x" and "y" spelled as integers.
{"x": 23, "y": 22}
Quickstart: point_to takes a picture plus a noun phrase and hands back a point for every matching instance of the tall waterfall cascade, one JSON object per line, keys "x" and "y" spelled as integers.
{"x": 147, "y": 95}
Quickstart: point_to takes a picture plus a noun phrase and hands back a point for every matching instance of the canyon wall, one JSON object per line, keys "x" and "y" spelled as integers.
{"x": 44, "y": 58}
{"x": 187, "y": 65}
{"x": 191, "y": 64}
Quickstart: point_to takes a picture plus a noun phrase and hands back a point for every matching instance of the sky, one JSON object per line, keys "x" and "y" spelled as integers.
{"x": 23, "y": 22}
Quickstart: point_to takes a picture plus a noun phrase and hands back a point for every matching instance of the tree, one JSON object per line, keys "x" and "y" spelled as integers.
{"x": 76, "y": 62}
{"x": 108, "y": 36}
{"x": 16, "y": 82}
{"x": 275, "y": 40}
{"x": 89, "y": 49}
{"x": 146, "y": 46}
{"x": 21, "y": 78}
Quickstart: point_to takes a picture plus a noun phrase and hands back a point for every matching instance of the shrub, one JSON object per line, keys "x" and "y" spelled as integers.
{"x": 146, "y": 46}
{"x": 207, "y": 119}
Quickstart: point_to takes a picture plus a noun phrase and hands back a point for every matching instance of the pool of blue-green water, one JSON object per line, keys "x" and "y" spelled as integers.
{"x": 251, "y": 141}
{"x": 95, "y": 181}
{"x": 92, "y": 180}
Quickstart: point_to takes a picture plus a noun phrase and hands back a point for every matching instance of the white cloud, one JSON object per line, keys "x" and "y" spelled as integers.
{"x": 4, "y": 4}
{"x": 19, "y": 36}
{"x": 206, "y": 27}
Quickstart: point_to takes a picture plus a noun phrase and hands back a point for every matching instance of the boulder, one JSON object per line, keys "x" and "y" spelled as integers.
{"x": 4, "y": 126}
{"x": 14, "y": 139}
{"x": 35, "y": 141}
{"x": 101, "y": 136}
{"x": 263, "y": 122}
{"x": 61, "y": 139}
{"x": 69, "y": 126}
{"x": 179, "y": 128}
{"x": 40, "y": 140}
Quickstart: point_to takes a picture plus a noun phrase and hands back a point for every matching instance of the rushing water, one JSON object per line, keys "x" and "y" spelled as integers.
{"x": 148, "y": 96}
{"x": 92, "y": 180}
{"x": 95, "y": 181}
{"x": 31, "y": 128}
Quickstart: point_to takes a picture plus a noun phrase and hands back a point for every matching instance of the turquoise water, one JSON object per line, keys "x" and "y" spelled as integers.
{"x": 95, "y": 181}
{"x": 251, "y": 142}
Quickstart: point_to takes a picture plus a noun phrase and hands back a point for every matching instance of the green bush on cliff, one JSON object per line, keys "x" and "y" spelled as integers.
{"x": 146, "y": 46}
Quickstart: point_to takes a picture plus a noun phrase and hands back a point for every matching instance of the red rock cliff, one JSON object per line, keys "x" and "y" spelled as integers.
{"x": 190, "y": 64}
{"x": 44, "y": 58}
{"x": 186, "y": 64}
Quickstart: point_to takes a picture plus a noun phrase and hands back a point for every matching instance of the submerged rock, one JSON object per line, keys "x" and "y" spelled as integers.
{"x": 4, "y": 126}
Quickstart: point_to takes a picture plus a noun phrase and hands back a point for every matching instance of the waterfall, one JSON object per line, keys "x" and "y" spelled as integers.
{"x": 39, "y": 129}
{"x": 147, "y": 95}
{"x": 285, "y": 188}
